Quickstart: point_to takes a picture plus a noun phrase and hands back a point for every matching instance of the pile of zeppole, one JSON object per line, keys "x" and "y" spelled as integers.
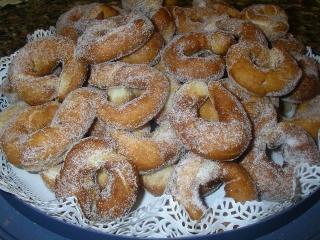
{"x": 175, "y": 100}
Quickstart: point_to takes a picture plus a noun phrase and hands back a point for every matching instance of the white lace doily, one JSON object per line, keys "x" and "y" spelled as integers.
{"x": 164, "y": 217}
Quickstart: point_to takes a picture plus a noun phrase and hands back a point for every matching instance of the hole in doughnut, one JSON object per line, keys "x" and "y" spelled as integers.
{"x": 57, "y": 69}
{"x": 202, "y": 53}
{"x": 276, "y": 156}
{"x": 102, "y": 178}
{"x": 120, "y": 95}
{"x": 207, "y": 111}
{"x": 270, "y": 61}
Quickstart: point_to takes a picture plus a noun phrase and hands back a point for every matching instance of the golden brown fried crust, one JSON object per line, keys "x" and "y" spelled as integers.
{"x": 149, "y": 53}
{"x": 98, "y": 44}
{"x": 66, "y": 24}
{"x": 31, "y": 71}
{"x": 270, "y": 18}
{"x": 261, "y": 71}
{"x": 221, "y": 140}
{"x": 79, "y": 177}
{"x": 140, "y": 110}
{"x": 178, "y": 60}
{"x": 164, "y": 23}
{"x": 193, "y": 171}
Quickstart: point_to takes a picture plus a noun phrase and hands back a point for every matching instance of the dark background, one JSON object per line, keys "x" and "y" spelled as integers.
{"x": 16, "y": 21}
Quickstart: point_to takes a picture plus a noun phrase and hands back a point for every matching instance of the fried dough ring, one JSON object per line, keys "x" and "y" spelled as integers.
{"x": 270, "y": 18}
{"x": 78, "y": 177}
{"x": 113, "y": 38}
{"x": 67, "y": 22}
{"x": 37, "y": 138}
{"x": 177, "y": 60}
{"x": 194, "y": 171}
{"x": 31, "y": 70}
{"x": 223, "y": 140}
{"x": 262, "y": 71}
{"x": 275, "y": 182}
{"x": 140, "y": 110}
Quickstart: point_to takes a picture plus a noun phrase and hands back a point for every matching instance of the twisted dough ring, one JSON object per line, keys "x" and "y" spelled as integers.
{"x": 194, "y": 171}
{"x": 262, "y": 71}
{"x": 140, "y": 110}
{"x": 270, "y": 18}
{"x": 31, "y": 73}
{"x": 111, "y": 198}
{"x": 113, "y": 38}
{"x": 178, "y": 60}
{"x": 37, "y": 137}
{"x": 224, "y": 139}
{"x": 68, "y": 21}
{"x": 149, "y": 153}
{"x": 275, "y": 181}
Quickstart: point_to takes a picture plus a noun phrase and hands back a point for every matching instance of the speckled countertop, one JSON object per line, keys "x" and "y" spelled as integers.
{"x": 16, "y": 21}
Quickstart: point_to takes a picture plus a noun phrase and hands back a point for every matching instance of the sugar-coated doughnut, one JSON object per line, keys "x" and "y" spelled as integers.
{"x": 37, "y": 138}
{"x": 178, "y": 60}
{"x": 32, "y": 71}
{"x": 140, "y": 110}
{"x": 223, "y": 139}
{"x": 275, "y": 180}
{"x": 307, "y": 115}
{"x": 270, "y": 18}
{"x": 149, "y": 153}
{"x": 100, "y": 199}
{"x": 113, "y": 38}
{"x": 149, "y": 53}
{"x": 309, "y": 84}
{"x": 80, "y": 15}
{"x": 262, "y": 71}
{"x": 194, "y": 171}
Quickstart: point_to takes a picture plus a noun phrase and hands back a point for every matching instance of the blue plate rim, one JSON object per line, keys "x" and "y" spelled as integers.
{"x": 251, "y": 231}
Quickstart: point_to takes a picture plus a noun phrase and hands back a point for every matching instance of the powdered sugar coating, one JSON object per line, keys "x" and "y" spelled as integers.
{"x": 32, "y": 76}
{"x": 275, "y": 181}
{"x": 193, "y": 171}
{"x": 140, "y": 110}
{"x": 178, "y": 60}
{"x": 270, "y": 18}
{"x": 224, "y": 139}
{"x": 150, "y": 152}
{"x": 262, "y": 71}
{"x": 113, "y": 38}
{"x": 38, "y": 146}
{"x": 72, "y": 23}
{"x": 79, "y": 177}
